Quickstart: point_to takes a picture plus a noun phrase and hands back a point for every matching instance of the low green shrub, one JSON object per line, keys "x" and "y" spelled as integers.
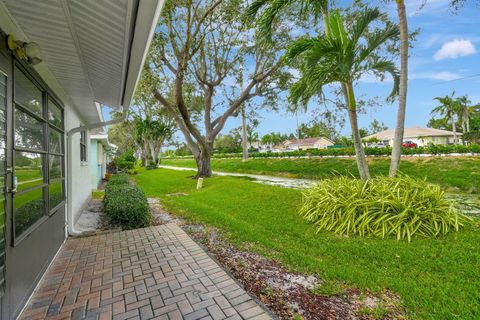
{"x": 118, "y": 179}
{"x": 136, "y": 168}
{"x": 127, "y": 206}
{"x": 126, "y": 161}
{"x": 402, "y": 207}
{"x": 124, "y": 165}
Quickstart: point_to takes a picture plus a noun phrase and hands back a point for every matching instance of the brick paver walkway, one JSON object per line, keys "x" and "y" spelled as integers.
{"x": 152, "y": 273}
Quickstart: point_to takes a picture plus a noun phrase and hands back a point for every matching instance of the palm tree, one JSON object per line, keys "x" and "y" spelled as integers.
{"x": 448, "y": 108}
{"x": 464, "y": 112}
{"x": 402, "y": 97}
{"x": 268, "y": 140}
{"x": 342, "y": 56}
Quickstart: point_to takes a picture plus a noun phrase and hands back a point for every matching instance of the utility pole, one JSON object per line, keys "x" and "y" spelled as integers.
{"x": 244, "y": 120}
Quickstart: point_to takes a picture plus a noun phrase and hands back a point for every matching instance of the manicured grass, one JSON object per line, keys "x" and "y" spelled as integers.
{"x": 450, "y": 172}
{"x": 27, "y": 178}
{"x": 437, "y": 279}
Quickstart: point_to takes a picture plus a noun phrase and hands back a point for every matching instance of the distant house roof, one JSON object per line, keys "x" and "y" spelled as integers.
{"x": 413, "y": 132}
{"x": 103, "y": 139}
{"x": 307, "y": 141}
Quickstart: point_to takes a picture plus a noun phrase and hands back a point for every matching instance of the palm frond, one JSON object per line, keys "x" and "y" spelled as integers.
{"x": 253, "y": 9}
{"x": 322, "y": 51}
{"x": 337, "y": 28}
{"x": 378, "y": 38}
{"x": 311, "y": 84}
{"x": 267, "y": 18}
{"x": 298, "y": 47}
{"x": 362, "y": 23}
{"x": 315, "y": 7}
{"x": 273, "y": 8}
{"x": 385, "y": 66}
{"x": 296, "y": 91}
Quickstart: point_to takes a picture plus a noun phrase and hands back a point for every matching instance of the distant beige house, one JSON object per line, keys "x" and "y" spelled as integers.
{"x": 308, "y": 143}
{"x": 419, "y": 135}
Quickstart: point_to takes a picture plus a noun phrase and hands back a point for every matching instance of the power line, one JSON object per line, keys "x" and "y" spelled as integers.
{"x": 458, "y": 79}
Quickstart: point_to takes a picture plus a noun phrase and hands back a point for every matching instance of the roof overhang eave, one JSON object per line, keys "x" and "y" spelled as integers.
{"x": 144, "y": 29}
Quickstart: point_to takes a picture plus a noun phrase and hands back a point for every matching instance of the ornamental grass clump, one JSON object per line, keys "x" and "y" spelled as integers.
{"x": 402, "y": 207}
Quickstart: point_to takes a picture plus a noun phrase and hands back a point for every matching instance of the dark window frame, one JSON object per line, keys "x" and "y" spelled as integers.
{"x": 83, "y": 146}
{"x": 47, "y": 96}
{"x": 3, "y": 168}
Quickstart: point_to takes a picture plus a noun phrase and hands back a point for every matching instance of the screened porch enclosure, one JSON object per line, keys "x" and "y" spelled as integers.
{"x": 89, "y": 54}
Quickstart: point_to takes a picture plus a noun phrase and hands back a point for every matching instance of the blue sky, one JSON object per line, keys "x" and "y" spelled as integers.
{"x": 445, "y": 51}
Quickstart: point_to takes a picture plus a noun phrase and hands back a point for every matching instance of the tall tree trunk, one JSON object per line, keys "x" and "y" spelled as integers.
{"x": 466, "y": 117}
{"x": 454, "y": 129}
{"x": 244, "y": 135}
{"x": 357, "y": 140}
{"x": 298, "y": 132}
{"x": 203, "y": 160}
{"x": 402, "y": 99}
{"x": 244, "y": 120}
{"x": 152, "y": 152}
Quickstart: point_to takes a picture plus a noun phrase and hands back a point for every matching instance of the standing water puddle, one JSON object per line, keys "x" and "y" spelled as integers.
{"x": 467, "y": 203}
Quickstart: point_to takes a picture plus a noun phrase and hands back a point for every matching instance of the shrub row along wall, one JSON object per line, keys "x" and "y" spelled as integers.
{"x": 342, "y": 152}
{"x": 125, "y": 204}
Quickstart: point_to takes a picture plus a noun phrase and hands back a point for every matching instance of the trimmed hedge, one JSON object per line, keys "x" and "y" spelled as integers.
{"x": 339, "y": 152}
{"x": 119, "y": 179}
{"x": 126, "y": 204}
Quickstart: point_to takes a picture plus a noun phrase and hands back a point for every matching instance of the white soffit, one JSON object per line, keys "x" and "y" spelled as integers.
{"x": 87, "y": 46}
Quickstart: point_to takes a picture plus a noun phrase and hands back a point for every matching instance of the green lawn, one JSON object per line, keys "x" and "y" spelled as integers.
{"x": 27, "y": 178}
{"x": 451, "y": 172}
{"x": 437, "y": 279}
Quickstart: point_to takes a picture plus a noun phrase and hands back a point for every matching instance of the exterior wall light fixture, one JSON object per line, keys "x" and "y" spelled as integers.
{"x": 28, "y": 51}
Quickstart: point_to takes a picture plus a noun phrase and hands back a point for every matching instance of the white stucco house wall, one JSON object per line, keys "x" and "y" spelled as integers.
{"x": 100, "y": 152}
{"x": 308, "y": 143}
{"x": 419, "y": 135}
{"x": 61, "y": 63}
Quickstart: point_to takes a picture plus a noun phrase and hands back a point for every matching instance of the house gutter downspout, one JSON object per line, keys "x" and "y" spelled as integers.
{"x": 69, "y": 214}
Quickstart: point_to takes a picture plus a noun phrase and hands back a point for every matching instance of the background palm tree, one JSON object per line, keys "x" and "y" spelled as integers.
{"x": 402, "y": 98}
{"x": 448, "y": 108}
{"x": 464, "y": 109}
{"x": 342, "y": 56}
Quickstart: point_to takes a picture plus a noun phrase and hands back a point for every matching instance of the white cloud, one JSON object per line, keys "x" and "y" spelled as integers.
{"x": 454, "y": 49}
{"x": 443, "y": 75}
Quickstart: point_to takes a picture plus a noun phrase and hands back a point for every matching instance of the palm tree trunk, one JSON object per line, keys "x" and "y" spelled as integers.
{"x": 454, "y": 129}
{"x": 402, "y": 99}
{"x": 357, "y": 140}
{"x": 298, "y": 132}
{"x": 244, "y": 136}
{"x": 466, "y": 117}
